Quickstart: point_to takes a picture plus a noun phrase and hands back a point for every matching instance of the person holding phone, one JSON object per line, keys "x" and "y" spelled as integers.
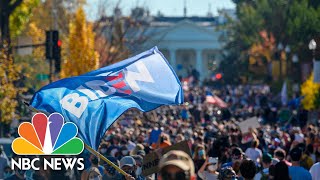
{"x": 211, "y": 166}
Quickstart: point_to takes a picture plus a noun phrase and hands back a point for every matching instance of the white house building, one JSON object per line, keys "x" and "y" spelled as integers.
{"x": 188, "y": 43}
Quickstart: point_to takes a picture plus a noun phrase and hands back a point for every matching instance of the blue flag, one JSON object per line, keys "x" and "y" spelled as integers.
{"x": 95, "y": 100}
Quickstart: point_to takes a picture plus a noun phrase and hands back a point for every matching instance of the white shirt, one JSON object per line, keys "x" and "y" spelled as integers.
{"x": 254, "y": 154}
{"x": 315, "y": 171}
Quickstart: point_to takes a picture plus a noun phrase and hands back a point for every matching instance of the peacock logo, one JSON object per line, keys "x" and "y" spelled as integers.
{"x": 47, "y": 136}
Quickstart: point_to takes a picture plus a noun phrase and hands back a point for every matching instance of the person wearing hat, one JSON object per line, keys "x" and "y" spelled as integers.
{"x": 139, "y": 161}
{"x": 266, "y": 162}
{"x": 211, "y": 164}
{"x": 129, "y": 165}
{"x": 137, "y": 148}
{"x": 176, "y": 165}
{"x": 297, "y": 172}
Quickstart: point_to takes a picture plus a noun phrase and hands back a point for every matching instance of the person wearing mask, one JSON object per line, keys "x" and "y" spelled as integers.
{"x": 94, "y": 174}
{"x": 211, "y": 164}
{"x": 139, "y": 161}
{"x": 281, "y": 171}
{"x": 280, "y": 154}
{"x": 253, "y": 152}
{"x": 199, "y": 156}
{"x": 297, "y": 172}
{"x": 176, "y": 165}
{"x": 248, "y": 169}
{"x": 110, "y": 173}
{"x": 315, "y": 171}
{"x": 129, "y": 165}
{"x": 94, "y": 163}
{"x": 103, "y": 149}
{"x": 266, "y": 162}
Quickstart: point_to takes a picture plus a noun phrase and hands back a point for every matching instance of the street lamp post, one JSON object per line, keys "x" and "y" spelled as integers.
{"x": 316, "y": 64}
{"x": 287, "y": 50}
{"x": 280, "y": 48}
{"x": 295, "y": 75}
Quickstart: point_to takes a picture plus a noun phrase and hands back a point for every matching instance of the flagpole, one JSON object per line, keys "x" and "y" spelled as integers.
{"x": 96, "y": 153}
{"x": 105, "y": 159}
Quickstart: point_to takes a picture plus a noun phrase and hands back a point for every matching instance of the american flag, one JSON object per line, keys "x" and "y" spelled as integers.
{"x": 216, "y": 101}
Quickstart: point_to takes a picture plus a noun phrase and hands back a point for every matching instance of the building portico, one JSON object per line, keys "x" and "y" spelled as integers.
{"x": 189, "y": 46}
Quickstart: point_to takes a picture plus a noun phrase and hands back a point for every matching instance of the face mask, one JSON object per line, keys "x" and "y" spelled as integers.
{"x": 124, "y": 152}
{"x": 211, "y": 167}
{"x": 103, "y": 151}
{"x": 138, "y": 171}
{"x": 201, "y": 152}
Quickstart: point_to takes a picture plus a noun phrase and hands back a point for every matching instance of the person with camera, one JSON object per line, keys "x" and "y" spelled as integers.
{"x": 211, "y": 164}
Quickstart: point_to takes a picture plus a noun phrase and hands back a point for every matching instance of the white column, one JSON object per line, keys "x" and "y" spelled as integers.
{"x": 199, "y": 62}
{"x": 173, "y": 58}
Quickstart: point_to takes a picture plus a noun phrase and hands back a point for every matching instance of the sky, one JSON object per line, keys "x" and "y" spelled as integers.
{"x": 166, "y": 7}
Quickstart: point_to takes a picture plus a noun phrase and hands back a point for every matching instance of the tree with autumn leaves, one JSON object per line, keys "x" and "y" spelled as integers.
{"x": 18, "y": 73}
{"x": 82, "y": 56}
{"x": 311, "y": 94}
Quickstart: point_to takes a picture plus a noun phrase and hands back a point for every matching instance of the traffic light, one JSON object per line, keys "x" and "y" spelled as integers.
{"x": 218, "y": 76}
{"x": 56, "y": 50}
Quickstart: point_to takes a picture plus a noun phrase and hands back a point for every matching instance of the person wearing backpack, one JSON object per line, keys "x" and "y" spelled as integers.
{"x": 264, "y": 173}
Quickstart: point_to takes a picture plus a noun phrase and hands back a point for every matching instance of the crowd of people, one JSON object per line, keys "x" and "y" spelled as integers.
{"x": 285, "y": 146}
